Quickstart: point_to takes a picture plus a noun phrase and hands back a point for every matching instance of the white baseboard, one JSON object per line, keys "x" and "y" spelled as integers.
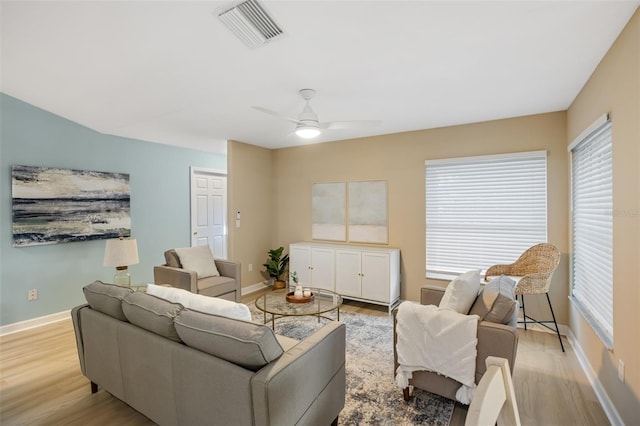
{"x": 253, "y": 288}
{"x": 608, "y": 407}
{"x": 34, "y": 322}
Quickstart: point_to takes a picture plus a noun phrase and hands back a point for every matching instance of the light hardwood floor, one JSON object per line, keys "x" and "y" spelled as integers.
{"x": 41, "y": 383}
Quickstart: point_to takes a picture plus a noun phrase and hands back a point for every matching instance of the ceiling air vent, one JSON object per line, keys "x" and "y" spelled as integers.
{"x": 251, "y": 23}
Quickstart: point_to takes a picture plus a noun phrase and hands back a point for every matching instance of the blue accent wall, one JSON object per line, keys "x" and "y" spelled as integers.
{"x": 160, "y": 206}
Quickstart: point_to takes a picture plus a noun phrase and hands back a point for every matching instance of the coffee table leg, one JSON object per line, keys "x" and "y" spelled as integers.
{"x": 273, "y": 322}
{"x": 338, "y": 312}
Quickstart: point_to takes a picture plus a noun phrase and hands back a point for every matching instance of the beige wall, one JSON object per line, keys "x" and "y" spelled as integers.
{"x": 250, "y": 191}
{"x": 399, "y": 159}
{"x": 615, "y": 87}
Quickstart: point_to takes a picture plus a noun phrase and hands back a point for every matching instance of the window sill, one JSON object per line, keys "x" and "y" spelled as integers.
{"x": 450, "y": 276}
{"x": 604, "y": 337}
{"x": 440, "y": 276}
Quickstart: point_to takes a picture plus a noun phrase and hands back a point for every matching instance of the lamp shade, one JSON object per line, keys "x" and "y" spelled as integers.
{"x": 121, "y": 252}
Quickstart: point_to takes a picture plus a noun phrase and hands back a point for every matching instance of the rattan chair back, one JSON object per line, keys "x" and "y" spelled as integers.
{"x": 536, "y": 266}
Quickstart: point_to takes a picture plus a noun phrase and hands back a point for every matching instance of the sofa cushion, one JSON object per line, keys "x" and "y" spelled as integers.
{"x": 248, "y": 345}
{"x": 496, "y": 302}
{"x": 198, "y": 259}
{"x": 107, "y": 298}
{"x": 171, "y": 258}
{"x": 198, "y": 302}
{"x": 152, "y": 314}
{"x": 461, "y": 292}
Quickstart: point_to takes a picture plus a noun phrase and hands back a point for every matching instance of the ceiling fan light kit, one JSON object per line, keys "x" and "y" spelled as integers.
{"x": 306, "y": 131}
{"x": 307, "y": 124}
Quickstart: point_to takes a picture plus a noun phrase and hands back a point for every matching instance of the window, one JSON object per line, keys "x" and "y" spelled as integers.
{"x": 481, "y": 211}
{"x": 592, "y": 227}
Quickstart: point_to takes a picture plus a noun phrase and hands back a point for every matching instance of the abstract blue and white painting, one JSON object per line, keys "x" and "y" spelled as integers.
{"x": 53, "y": 205}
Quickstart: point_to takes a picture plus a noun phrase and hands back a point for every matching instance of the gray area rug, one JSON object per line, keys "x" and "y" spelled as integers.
{"x": 372, "y": 396}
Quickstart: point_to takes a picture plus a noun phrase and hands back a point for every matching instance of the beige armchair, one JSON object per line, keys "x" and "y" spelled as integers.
{"x": 226, "y": 286}
{"x": 498, "y": 340}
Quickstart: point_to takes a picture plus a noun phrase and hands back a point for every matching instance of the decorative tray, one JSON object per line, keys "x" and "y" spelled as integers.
{"x": 292, "y": 299}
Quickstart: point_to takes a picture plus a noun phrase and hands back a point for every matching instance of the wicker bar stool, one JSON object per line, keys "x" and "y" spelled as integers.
{"x": 536, "y": 266}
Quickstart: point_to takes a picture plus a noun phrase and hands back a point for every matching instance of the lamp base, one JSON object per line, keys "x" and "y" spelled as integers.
{"x": 122, "y": 277}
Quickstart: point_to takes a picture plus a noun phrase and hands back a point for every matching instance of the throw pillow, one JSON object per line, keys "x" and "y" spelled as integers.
{"x": 152, "y": 313}
{"x": 496, "y": 302}
{"x": 107, "y": 298}
{"x": 199, "y": 302}
{"x": 248, "y": 345}
{"x": 198, "y": 259}
{"x": 172, "y": 259}
{"x": 461, "y": 292}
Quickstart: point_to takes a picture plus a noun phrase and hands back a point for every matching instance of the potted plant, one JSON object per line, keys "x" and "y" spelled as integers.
{"x": 276, "y": 267}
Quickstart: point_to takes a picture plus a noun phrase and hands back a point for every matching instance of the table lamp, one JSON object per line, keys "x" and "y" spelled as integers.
{"x": 121, "y": 253}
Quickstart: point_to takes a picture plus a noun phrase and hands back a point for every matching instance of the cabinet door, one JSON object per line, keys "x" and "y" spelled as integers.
{"x": 322, "y": 267}
{"x": 300, "y": 261}
{"x": 375, "y": 276}
{"x": 348, "y": 269}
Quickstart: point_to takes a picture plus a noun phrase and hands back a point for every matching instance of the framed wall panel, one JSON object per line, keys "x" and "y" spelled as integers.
{"x": 329, "y": 211}
{"x": 368, "y": 222}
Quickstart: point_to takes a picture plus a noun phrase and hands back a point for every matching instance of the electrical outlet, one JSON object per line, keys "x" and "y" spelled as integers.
{"x": 251, "y": 267}
{"x": 32, "y": 294}
{"x": 621, "y": 370}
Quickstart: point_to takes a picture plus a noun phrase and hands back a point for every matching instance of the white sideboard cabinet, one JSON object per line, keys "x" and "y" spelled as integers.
{"x": 368, "y": 274}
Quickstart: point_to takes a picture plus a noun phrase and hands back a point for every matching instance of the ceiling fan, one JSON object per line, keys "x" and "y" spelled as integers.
{"x": 307, "y": 124}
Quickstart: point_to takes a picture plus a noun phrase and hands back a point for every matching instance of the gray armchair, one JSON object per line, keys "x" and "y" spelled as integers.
{"x": 498, "y": 340}
{"x": 226, "y": 286}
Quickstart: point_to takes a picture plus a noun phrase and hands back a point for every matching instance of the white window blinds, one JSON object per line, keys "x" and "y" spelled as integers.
{"x": 482, "y": 211}
{"x": 592, "y": 228}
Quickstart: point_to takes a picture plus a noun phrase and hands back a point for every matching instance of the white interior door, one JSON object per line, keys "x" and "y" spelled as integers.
{"x": 209, "y": 210}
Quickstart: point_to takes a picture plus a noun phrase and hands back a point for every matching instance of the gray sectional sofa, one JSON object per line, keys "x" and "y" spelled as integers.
{"x": 182, "y": 367}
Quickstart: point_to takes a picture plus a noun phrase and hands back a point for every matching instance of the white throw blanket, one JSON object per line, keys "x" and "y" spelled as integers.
{"x": 438, "y": 340}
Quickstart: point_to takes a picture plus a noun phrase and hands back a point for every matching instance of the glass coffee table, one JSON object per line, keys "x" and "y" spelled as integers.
{"x": 275, "y": 303}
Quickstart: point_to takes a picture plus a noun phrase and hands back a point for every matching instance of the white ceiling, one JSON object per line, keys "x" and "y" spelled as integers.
{"x": 171, "y": 72}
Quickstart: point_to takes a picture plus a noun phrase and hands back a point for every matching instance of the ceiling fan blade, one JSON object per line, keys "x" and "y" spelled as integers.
{"x": 354, "y": 124}
{"x": 275, "y": 114}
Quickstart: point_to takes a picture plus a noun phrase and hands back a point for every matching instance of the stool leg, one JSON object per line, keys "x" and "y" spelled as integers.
{"x": 524, "y": 312}
{"x": 554, "y": 321}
